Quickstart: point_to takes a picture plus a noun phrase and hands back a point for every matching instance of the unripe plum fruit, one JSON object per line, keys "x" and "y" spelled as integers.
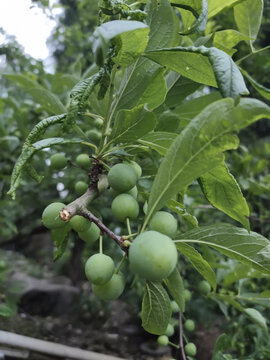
{"x": 112, "y": 289}
{"x": 204, "y": 287}
{"x": 133, "y": 192}
{"x": 190, "y": 349}
{"x": 187, "y": 295}
{"x": 189, "y": 325}
{"x": 125, "y": 206}
{"x": 93, "y": 135}
{"x": 152, "y": 256}
{"x": 79, "y": 223}
{"x": 50, "y": 216}
{"x": 136, "y": 167}
{"x": 174, "y": 306}
{"x": 83, "y": 160}
{"x": 163, "y": 340}
{"x": 122, "y": 177}
{"x": 81, "y": 187}
{"x": 164, "y": 223}
{"x": 58, "y": 161}
{"x": 169, "y": 331}
{"x": 99, "y": 269}
{"x": 91, "y": 234}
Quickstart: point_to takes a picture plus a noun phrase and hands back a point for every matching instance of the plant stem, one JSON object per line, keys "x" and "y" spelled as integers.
{"x": 128, "y": 227}
{"x": 100, "y": 244}
{"x": 174, "y": 345}
{"x": 181, "y": 345}
{"x": 252, "y": 53}
{"x": 120, "y": 264}
{"x": 91, "y": 115}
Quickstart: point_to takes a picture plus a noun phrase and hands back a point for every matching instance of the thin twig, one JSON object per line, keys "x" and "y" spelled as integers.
{"x": 181, "y": 345}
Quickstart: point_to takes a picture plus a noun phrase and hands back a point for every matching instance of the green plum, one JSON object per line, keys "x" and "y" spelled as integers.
{"x": 152, "y": 256}
{"x": 204, "y": 287}
{"x": 136, "y": 167}
{"x": 189, "y": 325}
{"x": 125, "y": 206}
{"x": 79, "y": 223}
{"x": 110, "y": 290}
{"x": 81, "y": 187}
{"x": 58, "y": 161}
{"x": 91, "y": 234}
{"x": 190, "y": 349}
{"x": 164, "y": 223}
{"x": 83, "y": 161}
{"x": 99, "y": 269}
{"x": 122, "y": 177}
{"x": 163, "y": 340}
{"x": 50, "y": 216}
{"x": 133, "y": 192}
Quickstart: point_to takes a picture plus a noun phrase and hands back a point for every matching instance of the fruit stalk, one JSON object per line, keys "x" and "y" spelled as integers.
{"x": 181, "y": 345}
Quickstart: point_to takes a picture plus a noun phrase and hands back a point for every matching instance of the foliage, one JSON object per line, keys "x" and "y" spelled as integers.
{"x": 165, "y": 92}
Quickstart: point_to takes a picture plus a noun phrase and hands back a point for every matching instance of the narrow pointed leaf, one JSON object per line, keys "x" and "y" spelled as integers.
{"x": 215, "y": 7}
{"x": 223, "y": 192}
{"x": 264, "y": 91}
{"x": 256, "y": 317}
{"x": 158, "y": 140}
{"x": 198, "y": 149}
{"x": 194, "y": 15}
{"x": 156, "y": 308}
{"x": 249, "y": 248}
{"x": 198, "y": 263}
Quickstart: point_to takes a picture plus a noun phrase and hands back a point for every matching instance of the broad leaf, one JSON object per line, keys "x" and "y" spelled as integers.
{"x": 164, "y": 26}
{"x": 129, "y": 37}
{"x": 176, "y": 288}
{"x": 215, "y": 7}
{"x": 156, "y": 308}
{"x": 265, "y": 92}
{"x": 249, "y": 248}
{"x": 226, "y": 39}
{"x": 256, "y": 317}
{"x": 198, "y": 149}
{"x": 198, "y": 262}
{"x": 223, "y": 192}
{"x": 209, "y": 66}
{"x": 159, "y": 141}
{"x": 248, "y": 17}
{"x": 132, "y": 124}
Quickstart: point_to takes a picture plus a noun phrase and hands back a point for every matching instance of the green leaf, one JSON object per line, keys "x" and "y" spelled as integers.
{"x": 156, "y": 308}
{"x": 44, "y": 97}
{"x": 256, "y": 317}
{"x": 248, "y": 17}
{"x": 226, "y": 39}
{"x": 155, "y": 93}
{"x": 198, "y": 262}
{"x": 209, "y": 66}
{"x": 223, "y": 192}
{"x": 193, "y": 14}
{"x": 8, "y": 310}
{"x": 249, "y": 248}
{"x": 215, "y": 7}
{"x": 159, "y": 141}
{"x": 130, "y": 38}
{"x": 175, "y": 285}
{"x": 198, "y": 148}
{"x": 164, "y": 26}
{"x": 132, "y": 124}
{"x": 59, "y": 238}
{"x": 189, "y": 109}
{"x": 223, "y": 343}
{"x": 228, "y": 299}
{"x": 265, "y": 92}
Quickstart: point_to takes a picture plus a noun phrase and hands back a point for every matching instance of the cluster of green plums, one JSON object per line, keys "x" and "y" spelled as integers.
{"x": 86, "y": 230}
{"x": 189, "y": 325}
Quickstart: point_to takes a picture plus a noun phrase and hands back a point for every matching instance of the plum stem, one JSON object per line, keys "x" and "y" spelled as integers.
{"x": 181, "y": 345}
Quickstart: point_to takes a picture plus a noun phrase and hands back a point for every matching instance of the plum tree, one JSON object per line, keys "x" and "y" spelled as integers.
{"x": 99, "y": 269}
{"x": 122, "y": 177}
{"x": 83, "y": 160}
{"x": 189, "y": 325}
{"x": 125, "y": 206}
{"x": 81, "y": 187}
{"x": 163, "y": 340}
{"x": 190, "y": 349}
{"x": 164, "y": 223}
{"x": 110, "y": 290}
{"x": 50, "y": 216}
{"x": 204, "y": 287}
{"x": 79, "y": 223}
{"x": 91, "y": 234}
{"x": 58, "y": 161}
{"x": 152, "y": 256}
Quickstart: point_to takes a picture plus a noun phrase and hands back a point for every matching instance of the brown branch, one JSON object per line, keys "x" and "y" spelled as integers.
{"x": 181, "y": 345}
